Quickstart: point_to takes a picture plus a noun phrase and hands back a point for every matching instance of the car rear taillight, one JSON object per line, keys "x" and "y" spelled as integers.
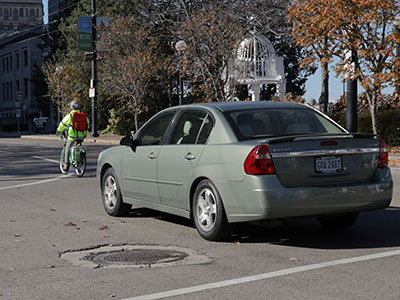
{"x": 259, "y": 161}
{"x": 383, "y": 155}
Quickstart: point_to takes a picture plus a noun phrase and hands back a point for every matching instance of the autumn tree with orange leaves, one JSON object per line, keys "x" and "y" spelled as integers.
{"x": 313, "y": 27}
{"x": 364, "y": 26}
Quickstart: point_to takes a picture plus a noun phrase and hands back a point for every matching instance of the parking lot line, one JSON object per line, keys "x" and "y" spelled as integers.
{"x": 263, "y": 276}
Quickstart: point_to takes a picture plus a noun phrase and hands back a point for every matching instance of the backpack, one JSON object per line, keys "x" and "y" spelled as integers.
{"x": 79, "y": 121}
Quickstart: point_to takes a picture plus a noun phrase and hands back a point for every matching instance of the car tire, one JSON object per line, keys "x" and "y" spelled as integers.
{"x": 111, "y": 195}
{"x": 338, "y": 222}
{"x": 208, "y": 212}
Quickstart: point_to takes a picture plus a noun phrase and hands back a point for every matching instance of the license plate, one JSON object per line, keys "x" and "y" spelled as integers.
{"x": 328, "y": 164}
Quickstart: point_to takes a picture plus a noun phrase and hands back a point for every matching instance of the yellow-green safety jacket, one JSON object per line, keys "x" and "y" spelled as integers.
{"x": 66, "y": 123}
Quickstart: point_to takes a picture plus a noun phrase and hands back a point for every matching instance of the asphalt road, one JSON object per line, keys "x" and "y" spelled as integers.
{"x": 44, "y": 214}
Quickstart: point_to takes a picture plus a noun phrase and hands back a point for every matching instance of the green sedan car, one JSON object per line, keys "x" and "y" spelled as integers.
{"x": 224, "y": 163}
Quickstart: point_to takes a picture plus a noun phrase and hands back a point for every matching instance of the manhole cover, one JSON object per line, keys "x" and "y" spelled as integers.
{"x": 139, "y": 256}
{"x": 136, "y": 257}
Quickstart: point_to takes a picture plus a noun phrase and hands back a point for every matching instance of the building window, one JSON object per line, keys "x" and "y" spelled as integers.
{"x": 17, "y": 61}
{"x": 25, "y": 58}
{"x": 15, "y": 14}
{"x": 1, "y": 12}
{"x": 37, "y": 12}
{"x": 11, "y": 91}
{"x": 4, "y": 65}
{"x": 6, "y": 14}
{"x": 17, "y": 85}
{"x": 21, "y": 12}
{"x": 7, "y": 64}
{"x": 31, "y": 13}
{"x": 4, "y": 91}
{"x": 11, "y": 63}
{"x": 26, "y": 87}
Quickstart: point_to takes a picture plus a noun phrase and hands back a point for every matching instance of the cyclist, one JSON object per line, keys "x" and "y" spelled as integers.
{"x": 75, "y": 125}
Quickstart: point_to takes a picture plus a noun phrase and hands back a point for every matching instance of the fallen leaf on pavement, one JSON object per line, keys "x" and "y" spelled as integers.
{"x": 105, "y": 227}
{"x": 70, "y": 224}
{"x": 293, "y": 259}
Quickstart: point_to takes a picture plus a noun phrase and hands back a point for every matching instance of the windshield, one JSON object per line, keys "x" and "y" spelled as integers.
{"x": 253, "y": 124}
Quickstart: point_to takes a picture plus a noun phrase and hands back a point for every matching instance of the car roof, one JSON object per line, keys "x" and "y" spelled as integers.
{"x": 245, "y": 105}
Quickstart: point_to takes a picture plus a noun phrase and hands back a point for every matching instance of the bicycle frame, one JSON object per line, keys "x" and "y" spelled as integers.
{"x": 76, "y": 157}
{"x": 75, "y": 152}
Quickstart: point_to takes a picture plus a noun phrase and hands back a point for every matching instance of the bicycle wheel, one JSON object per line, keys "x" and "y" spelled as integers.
{"x": 63, "y": 171}
{"x": 81, "y": 165}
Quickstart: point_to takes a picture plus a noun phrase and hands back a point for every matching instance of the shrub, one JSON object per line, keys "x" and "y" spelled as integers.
{"x": 388, "y": 124}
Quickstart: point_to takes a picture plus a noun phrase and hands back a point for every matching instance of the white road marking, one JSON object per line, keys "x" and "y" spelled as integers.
{"x": 46, "y": 159}
{"x": 41, "y": 181}
{"x": 208, "y": 286}
{"x": 36, "y": 182}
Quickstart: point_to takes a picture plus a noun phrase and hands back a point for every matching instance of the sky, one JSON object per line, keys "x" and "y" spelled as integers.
{"x": 314, "y": 83}
{"x": 45, "y": 7}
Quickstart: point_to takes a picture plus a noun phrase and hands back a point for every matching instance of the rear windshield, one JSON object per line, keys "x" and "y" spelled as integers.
{"x": 253, "y": 124}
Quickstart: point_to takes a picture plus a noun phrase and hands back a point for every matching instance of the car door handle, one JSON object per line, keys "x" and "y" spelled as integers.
{"x": 152, "y": 155}
{"x": 190, "y": 156}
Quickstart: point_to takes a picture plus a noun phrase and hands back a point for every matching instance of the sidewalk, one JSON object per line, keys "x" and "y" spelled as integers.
{"x": 103, "y": 139}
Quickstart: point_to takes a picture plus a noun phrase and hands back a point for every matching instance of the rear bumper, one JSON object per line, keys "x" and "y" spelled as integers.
{"x": 263, "y": 197}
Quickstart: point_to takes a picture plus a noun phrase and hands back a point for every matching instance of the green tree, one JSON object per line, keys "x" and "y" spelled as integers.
{"x": 130, "y": 61}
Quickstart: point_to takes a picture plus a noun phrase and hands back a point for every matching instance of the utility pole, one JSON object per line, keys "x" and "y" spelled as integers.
{"x": 93, "y": 81}
{"x": 351, "y": 97}
{"x": 396, "y": 25}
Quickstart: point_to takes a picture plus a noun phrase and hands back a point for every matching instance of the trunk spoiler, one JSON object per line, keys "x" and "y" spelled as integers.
{"x": 284, "y": 139}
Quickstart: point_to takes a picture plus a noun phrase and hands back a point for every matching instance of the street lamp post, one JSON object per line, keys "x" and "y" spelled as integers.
{"x": 58, "y": 70}
{"x": 180, "y": 46}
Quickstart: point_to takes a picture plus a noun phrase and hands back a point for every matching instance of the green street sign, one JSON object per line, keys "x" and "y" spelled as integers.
{"x": 85, "y": 33}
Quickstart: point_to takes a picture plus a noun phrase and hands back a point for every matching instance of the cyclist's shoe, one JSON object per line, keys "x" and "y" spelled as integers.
{"x": 65, "y": 166}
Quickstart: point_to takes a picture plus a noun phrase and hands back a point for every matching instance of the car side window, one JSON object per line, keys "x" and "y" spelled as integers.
{"x": 154, "y": 132}
{"x": 192, "y": 127}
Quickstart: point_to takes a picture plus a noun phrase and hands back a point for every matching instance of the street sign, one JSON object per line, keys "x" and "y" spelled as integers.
{"x": 85, "y": 33}
{"x": 92, "y": 92}
{"x": 18, "y": 113}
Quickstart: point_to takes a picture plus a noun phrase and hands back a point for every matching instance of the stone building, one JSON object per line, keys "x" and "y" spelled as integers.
{"x": 21, "y": 25}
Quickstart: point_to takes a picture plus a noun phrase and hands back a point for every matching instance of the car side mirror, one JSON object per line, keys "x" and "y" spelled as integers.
{"x": 129, "y": 141}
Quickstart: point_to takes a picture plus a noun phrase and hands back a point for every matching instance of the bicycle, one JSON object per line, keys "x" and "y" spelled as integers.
{"x": 76, "y": 157}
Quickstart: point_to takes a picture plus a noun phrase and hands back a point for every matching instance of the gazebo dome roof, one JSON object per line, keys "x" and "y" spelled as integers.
{"x": 256, "y": 47}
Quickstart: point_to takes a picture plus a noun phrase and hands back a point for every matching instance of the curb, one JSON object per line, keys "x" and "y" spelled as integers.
{"x": 100, "y": 140}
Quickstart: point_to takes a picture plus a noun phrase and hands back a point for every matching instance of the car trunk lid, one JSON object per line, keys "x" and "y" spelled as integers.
{"x": 324, "y": 160}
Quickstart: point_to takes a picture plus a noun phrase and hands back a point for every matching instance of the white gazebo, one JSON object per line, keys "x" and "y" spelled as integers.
{"x": 256, "y": 64}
